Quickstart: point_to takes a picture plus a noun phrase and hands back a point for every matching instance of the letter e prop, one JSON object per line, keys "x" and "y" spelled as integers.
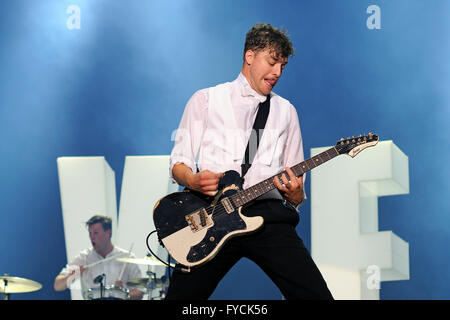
{"x": 345, "y": 239}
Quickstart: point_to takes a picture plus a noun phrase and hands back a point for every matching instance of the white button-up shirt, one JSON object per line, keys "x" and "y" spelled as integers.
{"x": 111, "y": 268}
{"x": 217, "y": 123}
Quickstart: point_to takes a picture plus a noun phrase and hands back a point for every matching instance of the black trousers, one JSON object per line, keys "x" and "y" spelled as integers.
{"x": 275, "y": 248}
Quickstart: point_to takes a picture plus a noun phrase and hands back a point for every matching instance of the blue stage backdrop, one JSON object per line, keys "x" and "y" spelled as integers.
{"x": 111, "y": 78}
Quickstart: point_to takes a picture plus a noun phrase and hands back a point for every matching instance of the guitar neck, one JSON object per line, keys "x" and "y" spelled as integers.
{"x": 245, "y": 196}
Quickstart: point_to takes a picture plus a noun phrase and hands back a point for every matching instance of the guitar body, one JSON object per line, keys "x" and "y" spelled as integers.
{"x": 193, "y": 227}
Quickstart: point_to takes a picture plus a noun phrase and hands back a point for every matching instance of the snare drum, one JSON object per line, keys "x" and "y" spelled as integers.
{"x": 109, "y": 293}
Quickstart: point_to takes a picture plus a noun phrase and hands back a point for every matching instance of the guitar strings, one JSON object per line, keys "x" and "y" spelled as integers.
{"x": 218, "y": 213}
{"x": 221, "y": 211}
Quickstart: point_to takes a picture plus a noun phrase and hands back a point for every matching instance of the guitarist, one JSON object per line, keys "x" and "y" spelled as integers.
{"x": 215, "y": 128}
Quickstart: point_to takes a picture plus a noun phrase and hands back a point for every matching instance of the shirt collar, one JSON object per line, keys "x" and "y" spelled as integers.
{"x": 247, "y": 90}
{"x": 113, "y": 252}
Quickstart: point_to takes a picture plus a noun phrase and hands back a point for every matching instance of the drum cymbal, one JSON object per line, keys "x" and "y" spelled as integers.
{"x": 142, "y": 282}
{"x": 18, "y": 285}
{"x": 149, "y": 261}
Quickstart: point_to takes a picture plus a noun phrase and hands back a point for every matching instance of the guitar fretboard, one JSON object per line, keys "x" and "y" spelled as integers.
{"x": 245, "y": 196}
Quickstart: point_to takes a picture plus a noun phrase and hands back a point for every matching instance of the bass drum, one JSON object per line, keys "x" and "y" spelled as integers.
{"x": 109, "y": 293}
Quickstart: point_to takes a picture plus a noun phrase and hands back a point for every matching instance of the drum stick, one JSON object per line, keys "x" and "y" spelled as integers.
{"x": 125, "y": 264}
{"x": 104, "y": 260}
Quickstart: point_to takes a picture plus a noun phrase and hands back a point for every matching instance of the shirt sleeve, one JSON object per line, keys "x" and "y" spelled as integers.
{"x": 132, "y": 271}
{"x": 293, "y": 151}
{"x": 79, "y": 260}
{"x": 190, "y": 132}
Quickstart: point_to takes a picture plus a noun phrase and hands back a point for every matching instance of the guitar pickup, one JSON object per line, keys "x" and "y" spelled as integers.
{"x": 227, "y": 205}
{"x": 199, "y": 220}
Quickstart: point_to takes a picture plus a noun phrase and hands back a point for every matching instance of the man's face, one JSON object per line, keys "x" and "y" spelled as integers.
{"x": 100, "y": 238}
{"x": 264, "y": 69}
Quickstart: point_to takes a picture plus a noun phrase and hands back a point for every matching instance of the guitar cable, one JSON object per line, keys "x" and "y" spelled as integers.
{"x": 151, "y": 251}
{"x": 177, "y": 267}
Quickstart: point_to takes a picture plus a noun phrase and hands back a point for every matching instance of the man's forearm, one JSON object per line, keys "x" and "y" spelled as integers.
{"x": 181, "y": 173}
{"x": 136, "y": 294}
{"x": 61, "y": 282}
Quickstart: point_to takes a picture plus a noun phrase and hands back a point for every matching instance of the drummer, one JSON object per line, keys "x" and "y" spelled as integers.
{"x": 102, "y": 249}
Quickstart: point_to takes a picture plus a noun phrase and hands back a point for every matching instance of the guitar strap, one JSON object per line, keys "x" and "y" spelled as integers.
{"x": 257, "y": 132}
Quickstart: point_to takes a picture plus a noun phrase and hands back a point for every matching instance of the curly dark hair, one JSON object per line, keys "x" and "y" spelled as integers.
{"x": 263, "y": 35}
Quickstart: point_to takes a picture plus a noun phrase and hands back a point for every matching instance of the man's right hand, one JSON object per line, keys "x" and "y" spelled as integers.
{"x": 75, "y": 273}
{"x": 63, "y": 281}
{"x": 206, "y": 182}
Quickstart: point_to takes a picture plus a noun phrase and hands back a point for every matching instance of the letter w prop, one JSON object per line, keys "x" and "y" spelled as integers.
{"x": 87, "y": 187}
{"x": 345, "y": 241}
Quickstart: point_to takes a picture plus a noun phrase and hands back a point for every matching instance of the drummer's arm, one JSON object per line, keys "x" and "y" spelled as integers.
{"x": 61, "y": 280}
{"x": 136, "y": 294}
{"x": 135, "y": 273}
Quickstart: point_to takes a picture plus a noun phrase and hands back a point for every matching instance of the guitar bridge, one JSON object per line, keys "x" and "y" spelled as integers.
{"x": 199, "y": 220}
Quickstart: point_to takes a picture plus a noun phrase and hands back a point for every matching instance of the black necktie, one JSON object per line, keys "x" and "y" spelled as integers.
{"x": 256, "y": 134}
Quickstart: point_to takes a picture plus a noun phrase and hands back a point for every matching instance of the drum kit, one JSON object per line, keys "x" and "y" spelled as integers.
{"x": 10, "y": 285}
{"x": 107, "y": 293}
{"x": 148, "y": 284}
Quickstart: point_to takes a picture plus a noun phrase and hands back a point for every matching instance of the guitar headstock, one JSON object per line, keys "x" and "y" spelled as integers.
{"x": 353, "y": 146}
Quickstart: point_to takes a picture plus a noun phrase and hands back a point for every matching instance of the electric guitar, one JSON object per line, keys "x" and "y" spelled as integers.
{"x": 193, "y": 227}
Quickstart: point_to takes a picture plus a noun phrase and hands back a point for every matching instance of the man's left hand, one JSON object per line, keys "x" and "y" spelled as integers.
{"x": 291, "y": 187}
